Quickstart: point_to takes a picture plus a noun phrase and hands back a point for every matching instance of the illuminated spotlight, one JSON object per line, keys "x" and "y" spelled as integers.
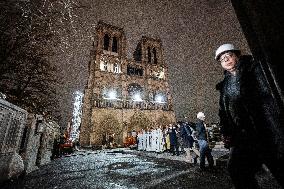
{"x": 159, "y": 99}
{"x": 112, "y": 95}
{"x": 137, "y": 97}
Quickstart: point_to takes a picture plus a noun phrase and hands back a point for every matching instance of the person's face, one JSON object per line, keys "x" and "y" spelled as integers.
{"x": 228, "y": 61}
{"x": 202, "y": 118}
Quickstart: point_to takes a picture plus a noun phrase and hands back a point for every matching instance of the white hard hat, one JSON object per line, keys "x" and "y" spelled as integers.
{"x": 223, "y": 48}
{"x": 200, "y": 115}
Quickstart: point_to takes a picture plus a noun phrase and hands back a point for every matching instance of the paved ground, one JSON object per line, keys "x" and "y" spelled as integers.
{"x": 122, "y": 169}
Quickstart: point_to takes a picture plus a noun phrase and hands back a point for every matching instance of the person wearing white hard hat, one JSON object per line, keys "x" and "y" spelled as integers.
{"x": 201, "y": 134}
{"x": 225, "y": 53}
{"x": 249, "y": 119}
{"x": 201, "y": 116}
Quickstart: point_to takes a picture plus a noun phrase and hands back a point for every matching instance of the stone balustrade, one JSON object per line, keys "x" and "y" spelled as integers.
{"x": 128, "y": 104}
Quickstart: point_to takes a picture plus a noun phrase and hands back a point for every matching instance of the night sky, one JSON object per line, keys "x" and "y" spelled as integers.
{"x": 190, "y": 32}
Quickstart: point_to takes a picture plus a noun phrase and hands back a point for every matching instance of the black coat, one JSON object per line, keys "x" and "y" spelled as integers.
{"x": 185, "y": 133}
{"x": 173, "y": 136}
{"x": 248, "y": 111}
{"x": 201, "y": 130}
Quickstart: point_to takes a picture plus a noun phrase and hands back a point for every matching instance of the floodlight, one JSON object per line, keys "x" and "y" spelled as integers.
{"x": 159, "y": 99}
{"x": 137, "y": 97}
{"x": 112, "y": 95}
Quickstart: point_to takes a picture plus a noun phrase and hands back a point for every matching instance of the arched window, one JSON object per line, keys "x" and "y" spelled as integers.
{"x": 105, "y": 66}
{"x": 149, "y": 55}
{"x": 106, "y": 42}
{"x": 114, "y": 44}
{"x": 134, "y": 71}
{"x": 115, "y": 68}
{"x": 138, "y": 53}
{"x": 155, "y": 56}
{"x": 130, "y": 70}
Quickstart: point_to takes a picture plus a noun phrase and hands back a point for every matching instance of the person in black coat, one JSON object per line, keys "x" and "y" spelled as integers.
{"x": 201, "y": 135}
{"x": 185, "y": 133}
{"x": 249, "y": 119}
{"x": 172, "y": 131}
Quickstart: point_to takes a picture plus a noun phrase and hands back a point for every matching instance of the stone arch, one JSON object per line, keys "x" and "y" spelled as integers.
{"x": 139, "y": 121}
{"x": 106, "y": 41}
{"x": 114, "y": 44}
{"x": 149, "y": 55}
{"x": 109, "y": 125}
{"x": 155, "y": 56}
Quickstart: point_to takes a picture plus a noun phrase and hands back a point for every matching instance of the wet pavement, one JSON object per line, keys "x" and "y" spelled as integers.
{"x": 121, "y": 169}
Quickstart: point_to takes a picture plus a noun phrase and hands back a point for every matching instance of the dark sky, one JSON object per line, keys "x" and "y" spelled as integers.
{"x": 190, "y": 32}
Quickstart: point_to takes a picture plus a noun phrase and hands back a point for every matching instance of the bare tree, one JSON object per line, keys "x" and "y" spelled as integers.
{"x": 27, "y": 77}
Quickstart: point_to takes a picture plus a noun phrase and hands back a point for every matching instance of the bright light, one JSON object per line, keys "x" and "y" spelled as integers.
{"x": 159, "y": 99}
{"x": 77, "y": 113}
{"x": 137, "y": 97}
{"x": 112, "y": 95}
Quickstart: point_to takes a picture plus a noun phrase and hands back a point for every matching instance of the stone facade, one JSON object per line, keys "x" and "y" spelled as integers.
{"x": 132, "y": 93}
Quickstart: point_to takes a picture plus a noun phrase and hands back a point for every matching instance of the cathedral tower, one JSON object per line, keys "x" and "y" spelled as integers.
{"x": 124, "y": 94}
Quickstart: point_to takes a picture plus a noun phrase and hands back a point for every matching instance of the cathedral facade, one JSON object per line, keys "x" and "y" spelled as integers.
{"x": 122, "y": 94}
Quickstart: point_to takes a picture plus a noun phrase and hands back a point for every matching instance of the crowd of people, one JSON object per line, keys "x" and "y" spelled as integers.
{"x": 250, "y": 124}
{"x": 182, "y": 137}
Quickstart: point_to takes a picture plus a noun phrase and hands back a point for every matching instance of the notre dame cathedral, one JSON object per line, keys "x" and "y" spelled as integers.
{"x": 124, "y": 94}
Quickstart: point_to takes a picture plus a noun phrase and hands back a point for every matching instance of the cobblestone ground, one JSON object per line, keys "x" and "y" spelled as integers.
{"x": 122, "y": 169}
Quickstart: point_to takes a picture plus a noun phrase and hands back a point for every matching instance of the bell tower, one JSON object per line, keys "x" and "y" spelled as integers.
{"x": 150, "y": 52}
{"x": 109, "y": 40}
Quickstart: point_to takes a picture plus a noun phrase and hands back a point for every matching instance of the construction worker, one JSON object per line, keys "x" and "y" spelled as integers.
{"x": 201, "y": 134}
{"x": 249, "y": 119}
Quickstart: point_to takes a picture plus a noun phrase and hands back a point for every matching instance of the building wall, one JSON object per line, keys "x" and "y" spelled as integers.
{"x": 121, "y": 121}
